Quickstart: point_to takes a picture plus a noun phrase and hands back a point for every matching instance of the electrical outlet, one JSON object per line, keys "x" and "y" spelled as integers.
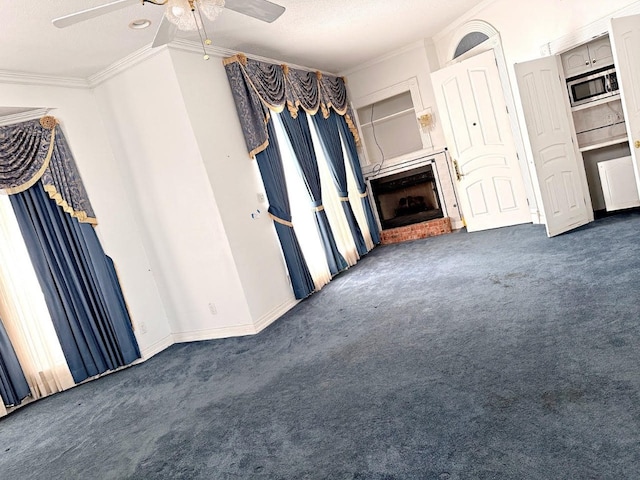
{"x": 212, "y": 308}
{"x": 143, "y": 327}
{"x": 261, "y": 198}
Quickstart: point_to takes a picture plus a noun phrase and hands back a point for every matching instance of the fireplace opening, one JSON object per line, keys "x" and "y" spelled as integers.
{"x": 407, "y": 197}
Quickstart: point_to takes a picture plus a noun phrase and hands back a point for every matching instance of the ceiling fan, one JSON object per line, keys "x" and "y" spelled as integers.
{"x": 181, "y": 15}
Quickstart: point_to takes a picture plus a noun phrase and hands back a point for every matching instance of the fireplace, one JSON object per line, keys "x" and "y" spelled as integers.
{"x": 408, "y": 197}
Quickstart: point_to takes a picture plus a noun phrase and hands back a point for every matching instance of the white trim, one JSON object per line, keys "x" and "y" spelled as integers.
{"x": 189, "y": 46}
{"x": 588, "y": 32}
{"x": 268, "y": 318}
{"x": 214, "y": 333}
{"x": 408, "y": 85}
{"x": 374, "y": 61}
{"x": 155, "y": 348}
{"x": 472, "y": 26}
{"x": 124, "y": 64}
{"x": 23, "y": 78}
{"x": 461, "y": 20}
{"x": 195, "y": 47}
{"x": 24, "y": 116}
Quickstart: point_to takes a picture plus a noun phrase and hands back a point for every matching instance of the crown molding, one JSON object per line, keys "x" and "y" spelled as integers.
{"x": 383, "y": 58}
{"x": 123, "y": 64}
{"x": 129, "y": 61}
{"x": 195, "y": 47}
{"x": 23, "y": 116}
{"x": 24, "y": 78}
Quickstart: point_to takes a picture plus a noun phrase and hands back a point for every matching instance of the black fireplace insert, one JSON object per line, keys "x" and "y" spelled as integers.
{"x": 407, "y": 197}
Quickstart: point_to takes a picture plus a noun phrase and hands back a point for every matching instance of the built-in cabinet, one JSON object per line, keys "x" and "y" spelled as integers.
{"x": 601, "y": 132}
{"x": 588, "y": 57}
{"x": 572, "y": 147}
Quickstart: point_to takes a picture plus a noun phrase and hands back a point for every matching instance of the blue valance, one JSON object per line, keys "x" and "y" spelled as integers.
{"x": 36, "y": 150}
{"x": 258, "y": 87}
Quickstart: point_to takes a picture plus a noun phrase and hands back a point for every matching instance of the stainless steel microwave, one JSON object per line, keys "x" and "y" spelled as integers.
{"x": 591, "y": 87}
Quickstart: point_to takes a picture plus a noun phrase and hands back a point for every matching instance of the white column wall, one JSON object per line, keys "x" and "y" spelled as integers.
{"x": 236, "y": 184}
{"x": 118, "y": 229}
{"x": 154, "y": 144}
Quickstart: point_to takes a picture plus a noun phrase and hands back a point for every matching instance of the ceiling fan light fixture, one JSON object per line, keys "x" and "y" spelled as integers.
{"x": 187, "y": 14}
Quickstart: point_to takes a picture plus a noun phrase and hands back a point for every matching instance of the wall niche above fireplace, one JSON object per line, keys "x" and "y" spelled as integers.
{"x": 407, "y": 197}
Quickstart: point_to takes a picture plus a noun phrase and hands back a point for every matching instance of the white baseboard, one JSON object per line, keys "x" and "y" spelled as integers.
{"x": 156, "y": 348}
{"x": 270, "y": 317}
{"x": 213, "y": 333}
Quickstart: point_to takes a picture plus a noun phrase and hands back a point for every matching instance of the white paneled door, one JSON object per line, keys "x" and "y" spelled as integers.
{"x": 478, "y": 132}
{"x": 562, "y": 182}
{"x": 625, "y": 39}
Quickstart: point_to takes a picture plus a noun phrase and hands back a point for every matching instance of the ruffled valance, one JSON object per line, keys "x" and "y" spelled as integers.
{"x": 259, "y": 87}
{"x": 37, "y": 151}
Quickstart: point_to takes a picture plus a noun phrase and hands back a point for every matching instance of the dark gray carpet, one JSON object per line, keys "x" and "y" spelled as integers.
{"x": 500, "y": 355}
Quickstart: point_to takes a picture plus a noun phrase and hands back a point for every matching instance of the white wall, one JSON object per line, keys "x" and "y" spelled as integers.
{"x": 119, "y": 232}
{"x": 236, "y": 182}
{"x": 525, "y": 29}
{"x": 173, "y": 202}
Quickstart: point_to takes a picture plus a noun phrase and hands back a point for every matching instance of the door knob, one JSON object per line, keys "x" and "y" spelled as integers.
{"x": 637, "y": 143}
{"x": 456, "y": 168}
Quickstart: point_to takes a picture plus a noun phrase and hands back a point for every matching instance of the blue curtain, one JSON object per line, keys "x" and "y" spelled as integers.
{"x": 272, "y": 172}
{"x": 79, "y": 284}
{"x": 13, "y": 386}
{"x": 330, "y": 140}
{"x": 300, "y": 135}
{"x": 352, "y": 153}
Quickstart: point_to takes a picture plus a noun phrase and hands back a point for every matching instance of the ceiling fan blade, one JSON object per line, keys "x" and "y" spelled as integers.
{"x": 261, "y": 9}
{"x": 165, "y": 33}
{"x": 83, "y": 15}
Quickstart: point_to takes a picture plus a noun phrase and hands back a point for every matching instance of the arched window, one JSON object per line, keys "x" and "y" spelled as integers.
{"x": 469, "y": 41}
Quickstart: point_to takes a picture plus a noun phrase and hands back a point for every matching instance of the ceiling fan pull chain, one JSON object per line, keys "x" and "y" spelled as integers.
{"x": 204, "y": 40}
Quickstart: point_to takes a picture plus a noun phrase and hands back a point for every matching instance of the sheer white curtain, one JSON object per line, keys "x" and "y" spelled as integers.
{"x": 356, "y": 203}
{"x": 332, "y": 204}
{"x": 303, "y": 216}
{"x": 25, "y": 314}
{"x": 302, "y": 213}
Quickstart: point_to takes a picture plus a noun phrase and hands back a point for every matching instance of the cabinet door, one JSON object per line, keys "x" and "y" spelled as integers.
{"x": 550, "y": 133}
{"x": 600, "y": 53}
{"x": 576, "y": 61}
{"x": 625, "y": 35}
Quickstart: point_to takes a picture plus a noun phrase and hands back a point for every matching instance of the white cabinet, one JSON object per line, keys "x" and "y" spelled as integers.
{"x": 585, "y": 58}
{"x": 618, "y": 184}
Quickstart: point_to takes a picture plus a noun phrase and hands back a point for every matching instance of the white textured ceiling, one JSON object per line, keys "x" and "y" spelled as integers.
{"x": 330, "y": 35}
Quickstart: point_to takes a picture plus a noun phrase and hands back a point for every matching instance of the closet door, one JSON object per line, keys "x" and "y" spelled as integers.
{"x": 625, "y": 37}
{"x": 561, "y": 178}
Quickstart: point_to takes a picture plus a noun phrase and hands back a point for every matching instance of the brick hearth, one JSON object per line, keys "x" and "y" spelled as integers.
{"x": 415, "y": 231}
